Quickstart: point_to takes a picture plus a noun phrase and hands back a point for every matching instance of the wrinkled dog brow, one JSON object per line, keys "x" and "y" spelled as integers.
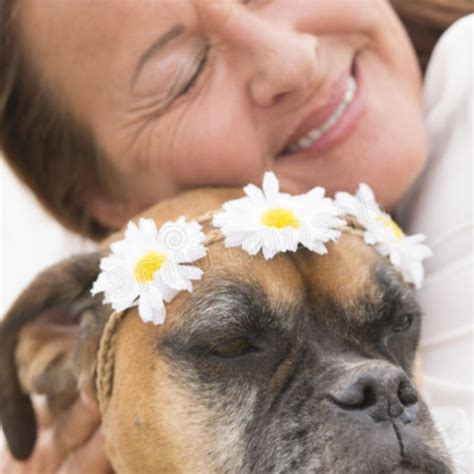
{"x": 230, "y": 308}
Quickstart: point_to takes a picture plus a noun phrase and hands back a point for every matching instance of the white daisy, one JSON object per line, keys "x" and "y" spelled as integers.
{"x": 148, "y": 266}
{"x": 405, "y": 252}
{"x": 273, "y": 222}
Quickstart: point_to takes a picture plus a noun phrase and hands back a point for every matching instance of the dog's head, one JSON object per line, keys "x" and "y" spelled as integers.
{"x": 302, "y": 363}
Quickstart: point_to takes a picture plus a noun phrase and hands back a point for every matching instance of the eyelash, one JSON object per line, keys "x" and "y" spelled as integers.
{"x": 196, "y": 74}
{"x": 200, "y": 67}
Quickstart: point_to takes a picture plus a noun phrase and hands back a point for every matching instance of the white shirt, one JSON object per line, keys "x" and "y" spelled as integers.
{"x": 441, "y": 206}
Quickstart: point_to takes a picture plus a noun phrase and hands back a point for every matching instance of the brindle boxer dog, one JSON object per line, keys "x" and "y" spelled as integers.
{"x": 303, "y": 363}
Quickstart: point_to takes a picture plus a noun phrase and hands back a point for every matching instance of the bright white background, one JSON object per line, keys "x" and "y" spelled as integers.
{"x": 30, "y": 240}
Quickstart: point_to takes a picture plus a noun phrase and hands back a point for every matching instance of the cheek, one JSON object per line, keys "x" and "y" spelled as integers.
{"x": 387, "y": 148}
{"x": 394, "y": 133}
{"x": 214, "y": 142}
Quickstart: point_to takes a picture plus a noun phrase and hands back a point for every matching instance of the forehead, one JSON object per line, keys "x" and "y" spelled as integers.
{"x": 64, "y": 37}
{"x": 346, "y": 273}
{"x": 81, "y": 23}
{"x": 350, "y": 275}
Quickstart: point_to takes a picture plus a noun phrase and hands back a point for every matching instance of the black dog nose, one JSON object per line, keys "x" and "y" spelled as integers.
{"x": 382, "y": 392}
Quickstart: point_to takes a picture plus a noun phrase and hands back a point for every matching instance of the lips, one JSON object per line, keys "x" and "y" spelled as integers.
{"x": 319, "y": 123}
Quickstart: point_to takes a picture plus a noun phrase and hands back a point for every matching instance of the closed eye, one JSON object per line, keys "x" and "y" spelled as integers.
{"x": 233, "y": 348}
{"x": 200, "y": 66}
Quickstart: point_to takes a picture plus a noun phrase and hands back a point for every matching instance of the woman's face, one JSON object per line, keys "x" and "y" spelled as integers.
{"x": 184, "y": 93}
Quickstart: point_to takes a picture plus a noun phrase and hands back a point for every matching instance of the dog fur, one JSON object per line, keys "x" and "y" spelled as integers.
{"x": 303, "y": 363}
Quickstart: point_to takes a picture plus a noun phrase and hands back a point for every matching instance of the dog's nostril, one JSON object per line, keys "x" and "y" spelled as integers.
{"x": 362, "y": 400}
{"x": 357, "y": 397}
{"x": 368, "y": 398}
{"x": 407, "y": 394}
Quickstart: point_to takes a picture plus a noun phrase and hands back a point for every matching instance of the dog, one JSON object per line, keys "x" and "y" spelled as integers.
{"x": 302, "y": 363}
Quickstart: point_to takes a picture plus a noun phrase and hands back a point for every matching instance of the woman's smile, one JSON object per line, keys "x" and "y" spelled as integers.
{"x": 331, "y": 122}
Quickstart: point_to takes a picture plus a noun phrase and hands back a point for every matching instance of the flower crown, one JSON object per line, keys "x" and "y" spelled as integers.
{"x": 150, "y": 266}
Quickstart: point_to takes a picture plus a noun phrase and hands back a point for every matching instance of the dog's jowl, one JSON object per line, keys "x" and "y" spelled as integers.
{"x": 303, "y": 363}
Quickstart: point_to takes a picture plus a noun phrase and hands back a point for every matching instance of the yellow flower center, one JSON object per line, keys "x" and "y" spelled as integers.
{"x": 280, "y": 218}
{"x": 148, "y": 265}
{"x": 392, "y": 225}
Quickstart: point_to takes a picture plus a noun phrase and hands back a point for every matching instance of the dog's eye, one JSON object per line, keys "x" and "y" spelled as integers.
{"x": 402, "y": 323}
{"x": 233, "y": 348}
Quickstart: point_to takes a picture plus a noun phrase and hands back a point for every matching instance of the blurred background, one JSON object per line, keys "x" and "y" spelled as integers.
{"x": 30, "y": 239}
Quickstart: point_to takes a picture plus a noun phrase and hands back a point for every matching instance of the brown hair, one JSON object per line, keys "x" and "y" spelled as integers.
{"x": 426, "y": 20}
{"x": 47, "y": 148}
{"x": 56, "y": 156}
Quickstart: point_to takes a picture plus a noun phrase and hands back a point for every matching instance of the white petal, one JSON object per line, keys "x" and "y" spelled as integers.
{"x": 365, "y": 193}
{"x": 416, "y": 238}
{"x": 110, "y": 263}
{"x": 415, "y": 274}
{"x": 346, "y": 202}
{"x": 252, "y": 248}
{"x": 118, "y": 287}
{"x": 121, "y": 304}
{"x": 314, "y": 195}
{"x": 254, "y": 193}
{"x": 122, "y": 249}
{"x": 151, "y": 307}
{"x": 234, "y": 240}
{"x": 395, "y": 256}
{"x": 132, "y": 231}
{"x": 269, "y": 250}
{"x": 424, "y": 252}
{"x": 370, "y": 238}
{"x": 173, "y": 237}
{"x": 99, "y": 285}
{"x": 148, "y": 228}
{"x": 384, "y": 249}
{"x": 177, "y": 276}
{"x": 182, "y": 240}
{"x": 190, "y": 273}
{"x": 317, "y": 247}
{"x": 270, "y": 185}
{"x": 168, "y": 293}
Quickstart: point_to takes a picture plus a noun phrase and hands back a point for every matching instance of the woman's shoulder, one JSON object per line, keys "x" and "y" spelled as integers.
{"x": 449, "y": 77}
{"x": 441, "y": 200}
{"x": 440, "y": 206}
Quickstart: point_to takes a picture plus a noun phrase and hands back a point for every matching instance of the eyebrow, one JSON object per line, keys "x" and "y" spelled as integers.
{"x": 156, "y": 46}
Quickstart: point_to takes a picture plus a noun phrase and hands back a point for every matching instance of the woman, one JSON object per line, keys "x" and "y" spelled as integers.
{"x": 108, "y": 107}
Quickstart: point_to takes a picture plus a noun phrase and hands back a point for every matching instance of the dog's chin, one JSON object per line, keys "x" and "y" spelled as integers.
{"x": 423, "y": 465}
{"x": 421, "y": 460}
{"x": 409, "y": 453}
{"x": 414, "y": 457}
{"x": 405, "y": 467}
{"x": 337, "y": 441}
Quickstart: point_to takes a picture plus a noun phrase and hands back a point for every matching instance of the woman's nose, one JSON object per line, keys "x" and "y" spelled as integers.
{"x": 285, "y": 64}
{"x": 275, "y": 60}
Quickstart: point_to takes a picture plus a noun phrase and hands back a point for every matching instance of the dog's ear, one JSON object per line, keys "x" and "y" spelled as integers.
{"x": 41, "y": 338}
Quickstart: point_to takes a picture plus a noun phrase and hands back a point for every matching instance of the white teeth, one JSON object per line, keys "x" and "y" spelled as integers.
{"x": 315, "y": 134}
{"x": 351, "y": 88}
{"x": 305, "y": 142}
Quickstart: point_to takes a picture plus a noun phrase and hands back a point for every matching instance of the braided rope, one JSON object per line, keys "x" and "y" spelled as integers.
{"x": 348, "y": 229}
{"x": 214, "y": 236}
{"x": 105, "y": 357}
{"x": 105, "y": 360}
{"x": 207, "y": 216}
